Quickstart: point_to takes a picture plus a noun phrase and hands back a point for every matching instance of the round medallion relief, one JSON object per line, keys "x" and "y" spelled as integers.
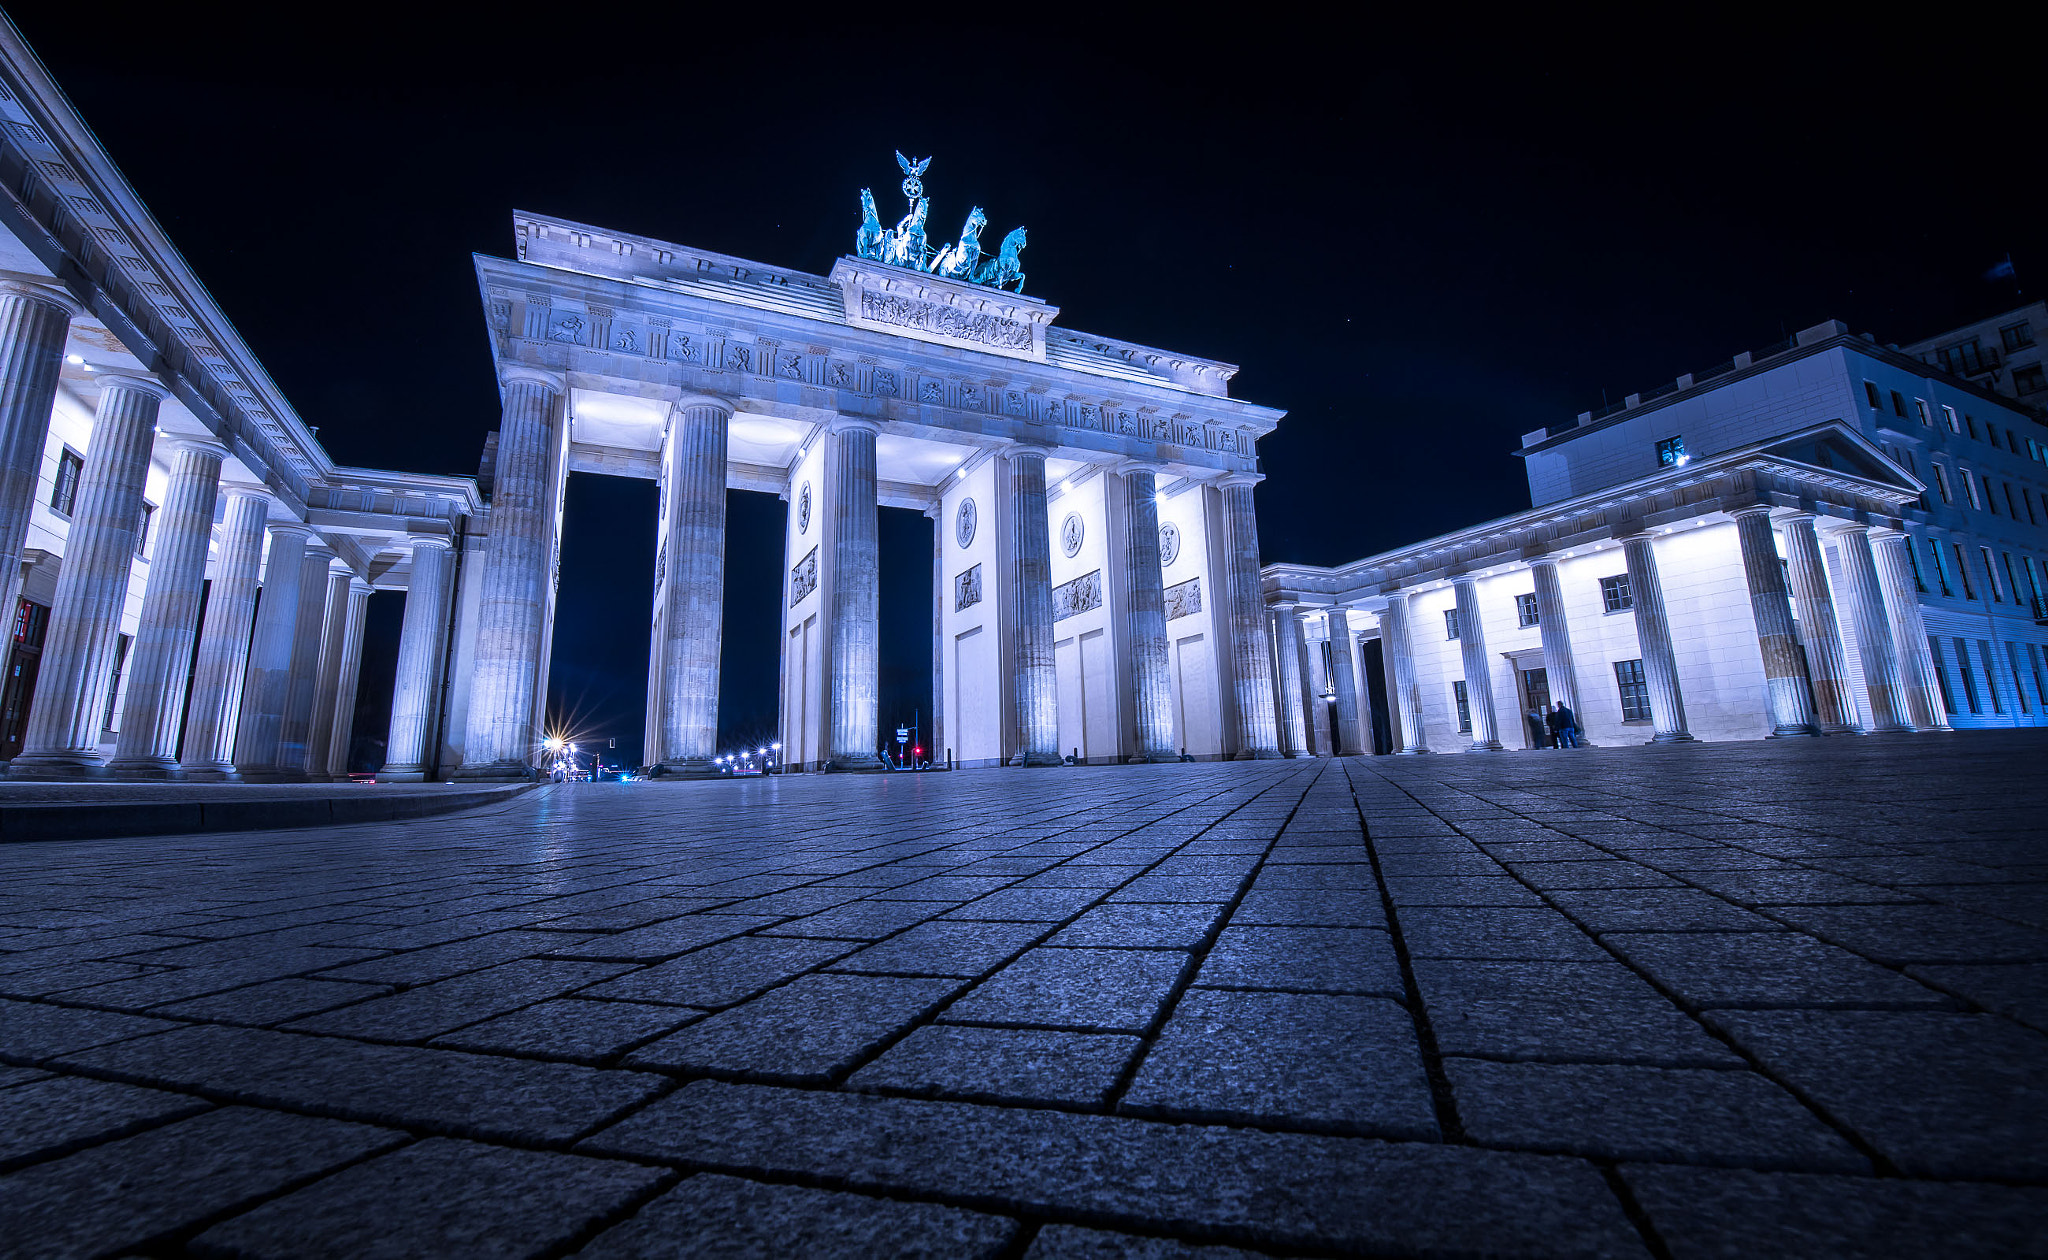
{"x": 1169, "y": 544}
{"x": 803, "y": 509}
{"x": 963, "y": 525}
{"x": 1070, "y": 535}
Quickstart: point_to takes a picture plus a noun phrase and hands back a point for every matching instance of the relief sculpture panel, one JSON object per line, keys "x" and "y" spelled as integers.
{"x": 1184, "y": 599}
{"x": 803, "y": 579}
{"x": 1078, "y": 596}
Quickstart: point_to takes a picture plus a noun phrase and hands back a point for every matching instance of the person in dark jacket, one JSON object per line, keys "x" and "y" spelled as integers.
{"x": 1566, "y": 724}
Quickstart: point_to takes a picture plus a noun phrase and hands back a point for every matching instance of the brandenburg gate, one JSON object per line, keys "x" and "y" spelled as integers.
{"x": 1096, "y": 563}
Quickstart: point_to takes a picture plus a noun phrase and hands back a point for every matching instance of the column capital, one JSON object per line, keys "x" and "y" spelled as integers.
{"x": 852, "y": 424}
{"x": 1229, "y": 481}
{"x": 47, "y": 294}
{"x": 712, "y": 401}
{"x": 510, "y": 374}
{"x": 429, "y": 542}
{"x": 357, "y": 586}
{"x": 1467, "y": 578}
{"x": 288, "y": 527}
{"x": 1748, "y": 509}
{"x": 318, "y": 547}
{"x": 1883, "y": 533}
{"x": 1848, "y": 527}
{"x": 1799, "y": 516}
{"x": 133, "y": 383}
{"x": 1126, "y": 465}
{"x": 175, "y": 442}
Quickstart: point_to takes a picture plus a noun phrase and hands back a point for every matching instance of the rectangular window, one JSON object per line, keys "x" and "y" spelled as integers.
{"x": 1941, "y": 483}
{"x": 1912, "y": 561}
{"x": 1948, "y": 416}
{"x": 1464, "y": 707}
{"x": 1969, "y": 679}
{"x": 1991, "y": 575}
{"x": 1870, "y": 392}
{"x": 1969, "y": 421}
{"x": 1899, "y": 404}
{"x": 1990, "y": 499}
{"x": 2037, "y": 661}
{"x": 2012, "y": 577}
{"x": 1963, "y": 571}
{"x": 2034, "y": 587}
{"x": 2027, "y": 497}
{"x": 2028, "y": 380}
{"x": 1990, "y": 433}
{"x": 1920, "y": 409}
{"x": 1991, "y": 676}
{"x": 1969, "y": 488}
{"x": 1450, "y": 623}
{"x": 1615, "y": 594}
{"x": 2012, "y": 440}
{"x": 2012, "y": 505}
{"x": 1948, "y": 699}
{"x": 1525, "y": 609}
{"x": 142, "y": 528}
{"x": 2017, "y": 336}
{"x": 2019, "y": 684}
{"x": 121, "y": 642}
{"x": 1635, "y": 693}
{"x": 1671, "y": 453}
{"x": 69, "y": 467}
{"x": 1940, "y": 569}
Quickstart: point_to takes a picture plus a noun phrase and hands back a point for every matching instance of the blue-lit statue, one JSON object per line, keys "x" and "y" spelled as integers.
{"x": 867, "y": 243}
{"x": 1005, "y": 271}
{"x": 905, "y": 247}
{"x": 958, "y": 260}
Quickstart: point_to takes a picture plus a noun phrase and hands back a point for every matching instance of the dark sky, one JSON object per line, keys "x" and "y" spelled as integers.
{"x": 1420, "y": 242}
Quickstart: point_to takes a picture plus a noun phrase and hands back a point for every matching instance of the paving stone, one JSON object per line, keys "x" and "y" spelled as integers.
{"x": 1016, "y": 1065}
{"x": 2016, "y": 990}
{"x": 1767, "y": 969}
{"x": 463, "y": 1094}
{"x": 445, "y": 1005}
{"x": 1327, "y": 960}
{"x": 11, "y": 1076}
{"x": 1324, "y": 1061}
{"x": 442, "y": 1198}
{"x": 1277, "y": 1189}
{"x": 1310, "y": 907}
{"x": 275, "y": 1001}
{"x": 1180, "y": 888}
{"x": 171, "y": 1179}
{"x": 863, "y": 920}
{"x": 43, "y": 1118}
{"x": 159, "y": 987}
{"x": 1108, "y": 990}
{"x": 663, "y": 940}
{"x": 1485, "y": 932}
{"x": 1712, "y": 1214}
{"x": 1559, "y": 1013}
{"x": 727, "y": 1218}
{"x": 1071, "y": 1242}
{"x": 438, "y": 962}
{"x": 1215, "y": 865}
{"x": 1940, "y": 1095}
{"x": 1046, "y": 905}
{"x": 944, "y": 948}
{"x": 1603, "y": 873}
{"x": 1078, "y": 873}
{"x": 1142, "y": 926}
{"x": 811, "y": 1030}
{"x": 1793, "y": 887}
{"x": 1289, "y": 878}
{"x": 67, "y": 977}
{"x": 31, "y": 1031}
{"x": 1686, "y": 1115}
{"x": 1656, "y": 910}
{"x": 571, "y": 1028}
{"x": 720, "y": 975}
{"x": 1477, "y": 890}
{"x": 1920, "y": 933}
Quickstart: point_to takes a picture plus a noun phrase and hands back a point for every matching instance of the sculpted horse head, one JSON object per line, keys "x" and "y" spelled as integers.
{"x": 1006, "y": 270}
{"x": 957, "y": 261}
{"x": 867, "y": 242}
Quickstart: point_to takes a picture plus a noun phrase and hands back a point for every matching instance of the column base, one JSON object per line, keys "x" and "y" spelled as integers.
{"x": 855, "y": 765}
{"x": 494, "y": 772}
{"x": 689, "y": 768}
{"x": 402, "y": 774}
{"x": 1673, "y": 737}
{"x": 1156, "y": 757}
{"x": 1039, "y": 759}
{"x": 56, "y": 768}
{"x": 1487, "y": 745}
{"x": 272, "y": 774}
{"x": 209, "y": 774}
{"x": 1259, "y": 754}
{"x": 1795, "y": 732}
{"x": 158, "y": 768}
{"x": 1301, "y": 756}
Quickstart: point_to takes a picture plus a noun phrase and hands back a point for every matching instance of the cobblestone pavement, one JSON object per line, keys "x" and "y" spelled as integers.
{"x": 1724, "y": 1000}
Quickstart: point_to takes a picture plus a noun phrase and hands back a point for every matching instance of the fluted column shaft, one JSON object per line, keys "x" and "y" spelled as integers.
{"x": 1034, "y": 680}
{"x": 1349, "y": 737}
{"x": 213, "y": 717}
{"x": 1826, "y": 662}
{"x": 69, "y": 710}
{"x": 350, "y": 672}
{"x": 295, "y": 731}
{"x": 1785, "y": 685}
{"x": 1258, "y": 734}
{"x": 1875, "y": 648}
{"x": 34, "y": 321}
{"x": 414, "y": 691}
{"x": 856, "y": 595}
{"x": 154, "y": 711}
{"x": 1909, "y": 630}
{"x": 513, "y": 591}
{"x": 1560, "y": 668}
{"x": 695, "y": 620}
{"x": 1397, "y": 640}
{"x": 327, "y": 689}
{"x": 1653, "y": 640}
{"x": 1145, "y": 608}
{"x": 266, "y": 686}
{"x": 1478, "y": 668}
{"x": 1293, "y": 704}
{"x": 1315, "y": 712}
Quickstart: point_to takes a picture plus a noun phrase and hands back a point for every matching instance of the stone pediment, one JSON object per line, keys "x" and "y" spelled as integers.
{"x": 1838, "y": 449}
{"x": 946, "y": 312}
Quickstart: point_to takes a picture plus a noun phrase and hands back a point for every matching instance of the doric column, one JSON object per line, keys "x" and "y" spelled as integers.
{"x": 515, "y": 582}
{"x": 34, "y": 321}
{"x": 266, "y": 686}
{"x": 1293, "y": 704}
{"x": 935, "y": 738}
{"x": 1653, "y": 640}
{"x": 1560, "y": 669}
{"x": 856, "y": 593}
{"x": 1251, "y": 651}
{"x": 1397, "y": 640}
{"x": 1145, "y": 604}
{"x": 1348, "y": 735}
{"x": 1785, "y": 685}
{"x": 154, "y": 712}
{"x": 1033, "y": 679}
{"x": 327, "y": 687}
{"x": 213, "y": 717}
{"x": 1874, "y": 644}
{"x": 415, "y": 691}
{"x": 350, "y": 671}
{"x": 1909, "y": 630}
{"x": 69, "y": 711}
{"x": 1314, "y": 706}
{"x": 1478, "y": 668}
{"x": 1826, "y": 662}
{"x": 695, "y": 618}
{"x": 295, "y": 731}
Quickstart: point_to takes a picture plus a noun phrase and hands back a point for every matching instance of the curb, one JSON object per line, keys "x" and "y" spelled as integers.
{"x": 116, "y": 820}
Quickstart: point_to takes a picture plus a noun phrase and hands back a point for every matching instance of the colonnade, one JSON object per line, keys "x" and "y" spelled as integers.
{"x": 273, "y": 706}
{"x": 1806, "y": 692}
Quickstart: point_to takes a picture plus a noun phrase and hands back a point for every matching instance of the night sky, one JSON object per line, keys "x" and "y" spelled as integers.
{"x": 1420, "y": 243}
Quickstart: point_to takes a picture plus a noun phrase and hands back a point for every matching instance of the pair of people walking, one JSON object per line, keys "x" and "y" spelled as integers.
{"x": 1554, "y": 727}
